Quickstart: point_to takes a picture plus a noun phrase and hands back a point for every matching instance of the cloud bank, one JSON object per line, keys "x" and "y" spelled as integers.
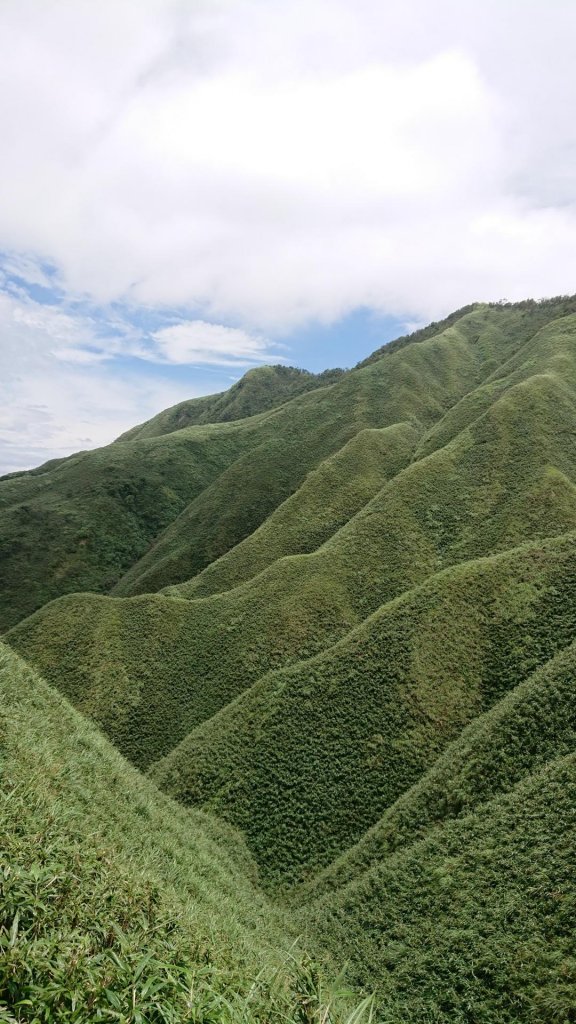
{"x": 273, "y": 162}
{"x": 265, "y": 164}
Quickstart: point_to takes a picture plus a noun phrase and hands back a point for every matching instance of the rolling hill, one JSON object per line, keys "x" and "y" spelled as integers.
{"x": 330, "y": 621}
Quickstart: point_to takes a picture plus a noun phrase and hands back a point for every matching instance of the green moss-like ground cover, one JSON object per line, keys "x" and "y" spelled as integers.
{"x": 476, "y": 921}
{"x": 85, "y": 522}
{"x": 310, "y": 758}
{"x": 341, "y": 633}
{"x": 115, "y": 903}
{"x": 151, "y": 669}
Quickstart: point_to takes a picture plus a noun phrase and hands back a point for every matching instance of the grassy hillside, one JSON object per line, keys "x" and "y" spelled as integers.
{"x": 333, "y": 618}
{"x": 163, "y": 508}
{"x": 459, "y": 904}
{"x": 419, "y": 384}
{"x": 78, "y": 525}
{"x": 476, "y": 921}
{"x": 296, "y": 438}
{"x": 151, "y": 669}
{"x": 329, "y": 497}
{"x": 530, "y": 726}
{"x": 257, "y": 391}
{"x": 310, "y": 758}
{"x": 116, "y": 904}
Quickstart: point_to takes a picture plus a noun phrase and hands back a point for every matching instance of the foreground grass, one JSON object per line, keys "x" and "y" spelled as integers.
{"x": 115, "y": 903}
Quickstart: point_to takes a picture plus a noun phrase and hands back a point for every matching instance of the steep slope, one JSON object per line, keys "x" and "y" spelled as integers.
{"x": 151, "y": 669}
{"x": 163, "y": 508}
{"x": 79, "y": 524}
{"x": 159, "y": 914}
{"x": 83, "y": 523}
{"x": 329, "y": 496}
{"x": 257, "y": 391}
{"x": 114, "y": 902}
{"x": 416, "y": 383}
{"x": 532, "y": 725}
{"x": 545, "y": 365}
{"x": 459, "y": 904}
{"x": 308, "y": 759}
{"x": 344, "y": 624}
{"x": 476, "y": 921}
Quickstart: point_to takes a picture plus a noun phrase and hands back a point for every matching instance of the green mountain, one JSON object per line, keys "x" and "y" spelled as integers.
{"x": 332, "y": 619}
{"x": 265, "y": 387}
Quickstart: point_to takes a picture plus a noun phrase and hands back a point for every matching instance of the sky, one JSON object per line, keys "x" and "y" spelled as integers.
{"x": 190, "y": 188}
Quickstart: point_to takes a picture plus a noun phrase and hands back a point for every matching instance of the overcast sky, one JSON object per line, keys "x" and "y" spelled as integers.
{"x": 191, "y": 188}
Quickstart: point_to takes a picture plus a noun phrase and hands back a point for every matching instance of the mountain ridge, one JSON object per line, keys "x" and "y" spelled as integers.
{"x": 341, "y": 628}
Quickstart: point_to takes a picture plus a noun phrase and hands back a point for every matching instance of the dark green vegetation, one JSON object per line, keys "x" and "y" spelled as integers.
{"x": 115, "y": 903}
{"x": 257, "y": 391}
{"x": 341, "y": 736}
{"x": 342, "y": 622}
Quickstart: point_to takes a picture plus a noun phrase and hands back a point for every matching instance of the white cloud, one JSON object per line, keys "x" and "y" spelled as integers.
{"x": 271, "y": 162}
{"x": 79, "y": 355}
{"x": 49, "y": 320}
{"x": 54, "y": 401}
{"x": 196, "y": 341}
{"x": 26, "y": 268}
{"x": 267, "y": 163}
{"x": 55, "y": 414}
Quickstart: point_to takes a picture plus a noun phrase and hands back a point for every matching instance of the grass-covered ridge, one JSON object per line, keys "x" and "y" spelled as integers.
{"x": 161, "y": 508}
{"x": 476, "y": 921}
{"x": 116, "y": 904}
{"x": 333, "y": 618}
{"x": 257, "y": 391}
{"x": 341, "y": 736}
{"x": 531, "y": 725}
{"x": 153, "y": 668}
{"x": 328, "y": 497}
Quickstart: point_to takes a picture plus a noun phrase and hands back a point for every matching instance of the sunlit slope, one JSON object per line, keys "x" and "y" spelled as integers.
{"x": 81, "y": 523}
{"x": 328, "y": 498}
{"x": 549, "y": 350}
{"x": 257, "y": 391}
{"x": 163, "y": 508}
{"x": 113, "y": 899}
{"x": 476, "y": 921}
{"x": 150, "y": 669}
{"x": 309, "y": 758}
{"x": 546, "y": 365}
{"x": 506, "y": 477}
{"x": 416, "y": 383}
